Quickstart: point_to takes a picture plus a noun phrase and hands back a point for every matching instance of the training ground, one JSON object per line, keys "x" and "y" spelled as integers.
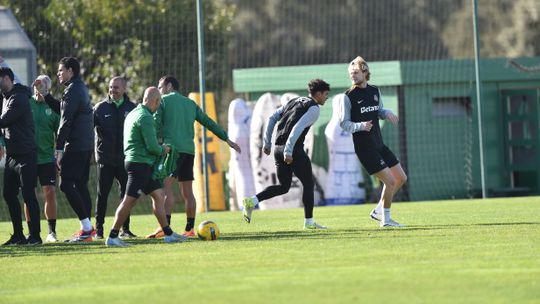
{"x": 469, "y": 251}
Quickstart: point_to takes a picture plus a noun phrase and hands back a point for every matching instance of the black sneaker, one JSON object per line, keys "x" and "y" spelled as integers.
{"x": 99, "y": 233}
{"x": 34, "y": 240}
{"x": 126, "y": 234}
{"x": 15, "y": 240}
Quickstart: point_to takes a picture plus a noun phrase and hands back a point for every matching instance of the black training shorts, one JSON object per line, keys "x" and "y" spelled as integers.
{"x": 47, "y": 174}
{"x": 140, "y": 179}
{"x": 375, "y": 160}
{"x": 184, "y": 167}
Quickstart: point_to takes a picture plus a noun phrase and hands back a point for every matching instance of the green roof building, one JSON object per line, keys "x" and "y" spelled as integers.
{"x": 437, "y": 136}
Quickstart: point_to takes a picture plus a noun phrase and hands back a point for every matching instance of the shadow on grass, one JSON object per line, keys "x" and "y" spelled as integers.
{"x": 60, "y": 248}
{"x": 50, "y": 249}
{"x": 98, "y": 247}
{"x": 347, "y": 233}
{"x": 482, "y": 224}
{"x": 507, "y": 224}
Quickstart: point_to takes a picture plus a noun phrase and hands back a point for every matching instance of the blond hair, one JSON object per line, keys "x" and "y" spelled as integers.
{"x": 360, "y": 64}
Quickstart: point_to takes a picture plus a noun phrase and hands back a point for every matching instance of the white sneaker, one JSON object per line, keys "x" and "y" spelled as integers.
{"x": 174, "y": 238}
{"x": 314, "y": 226}
{"x": 391, "y": 223}
{"x": 51, "y": 238}
{"x": 247, "y": 202}
{"x": 375, "y": 215}
{"x": 115, "y": 242}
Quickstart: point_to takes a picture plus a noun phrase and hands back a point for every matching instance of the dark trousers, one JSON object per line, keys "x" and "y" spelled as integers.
{"x": 21, "y": 173}
{"x": 301, "y": 167}
{"x": 106, "y": 175}
{"x": 74, "y": 173}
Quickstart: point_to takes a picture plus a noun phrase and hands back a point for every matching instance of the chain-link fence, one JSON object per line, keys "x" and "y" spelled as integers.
{"x": 145, "y": 39}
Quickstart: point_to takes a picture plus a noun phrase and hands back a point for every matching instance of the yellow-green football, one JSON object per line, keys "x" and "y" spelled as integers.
{"x": 208, "y": 231}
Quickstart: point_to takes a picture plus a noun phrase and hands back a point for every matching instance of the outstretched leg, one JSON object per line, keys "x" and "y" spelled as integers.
{"x": 284, "y": 175}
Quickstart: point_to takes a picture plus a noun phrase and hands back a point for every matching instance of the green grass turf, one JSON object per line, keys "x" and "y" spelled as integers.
{"x": 469, "y": 251}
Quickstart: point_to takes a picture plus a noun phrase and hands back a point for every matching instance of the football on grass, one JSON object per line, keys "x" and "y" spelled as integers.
{"x": 208, "y": 231}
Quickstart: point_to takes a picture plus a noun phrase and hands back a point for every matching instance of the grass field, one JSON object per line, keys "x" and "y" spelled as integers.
{"x": 469, "y": 251}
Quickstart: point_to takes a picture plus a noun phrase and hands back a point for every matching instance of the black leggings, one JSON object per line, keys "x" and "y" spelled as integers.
{"x": 74, "y": 173}
{"x": 301, "y": 167}
{"x": 21, "y": 173}
{"x": 106, "y": 175}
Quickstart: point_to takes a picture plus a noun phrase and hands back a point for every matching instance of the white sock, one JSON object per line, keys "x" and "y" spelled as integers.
{"x": 308, "y": 221}
{"x": 379, "y": 207}
{"x": 255, "y": 200}
{"x": 386, "y": 215}
{"x": 86, "y": 224}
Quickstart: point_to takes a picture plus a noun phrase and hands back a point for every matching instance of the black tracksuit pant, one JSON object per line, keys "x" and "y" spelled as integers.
{"x": 106, "y": 175}
{"x": 21, "y": 173}
{"x": 74, "y": 173}
{"x": 301, "y": 167}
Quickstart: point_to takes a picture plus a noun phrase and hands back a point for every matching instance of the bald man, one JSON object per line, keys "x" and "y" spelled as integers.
{"x": 141, "y": 149}
{"x": 109, "y": 116}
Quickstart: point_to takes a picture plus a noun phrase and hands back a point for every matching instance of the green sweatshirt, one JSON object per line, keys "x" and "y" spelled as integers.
{"x": 140, "y": 140}
{"x": 46, "y": 123}
{"x": 174, "y": 122}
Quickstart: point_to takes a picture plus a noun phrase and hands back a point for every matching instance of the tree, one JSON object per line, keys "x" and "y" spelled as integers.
{"x": 306, "y": 32}
{"x": 508, "y": 28}
{"x": 141, "y": 40}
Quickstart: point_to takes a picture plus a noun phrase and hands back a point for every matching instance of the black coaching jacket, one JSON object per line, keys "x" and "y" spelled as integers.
{"x": 75, "y": 131}
{"x": 16, "y": 121}
{"x": 109, "y": 130}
